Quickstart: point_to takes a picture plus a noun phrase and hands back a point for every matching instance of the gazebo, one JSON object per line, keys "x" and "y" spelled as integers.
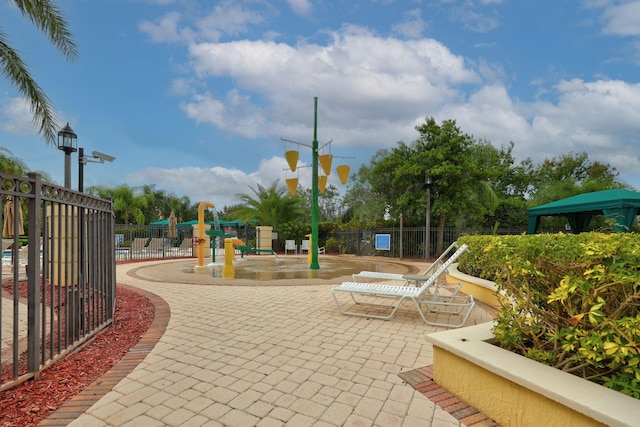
{"x": 619, "y": 205}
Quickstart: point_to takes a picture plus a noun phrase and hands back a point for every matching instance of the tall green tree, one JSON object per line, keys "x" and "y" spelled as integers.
{"x": 128, "y": 206}
{"x": 271, "y": 205}
{"x": 48, "y": 18}
{"x": 365, "y": 205}
{"x": 569, "y": 175}
{"x": 460, "y": 187}
{"x": 329, "y": 203}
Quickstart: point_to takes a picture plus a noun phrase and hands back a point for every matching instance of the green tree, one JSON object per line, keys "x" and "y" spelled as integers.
{"x": 269, "y": 206}
{"x": 461, "y": 188}
{"x": 129, "y": 208}
{"x": 11, "y": 164}
{"x": 47, "y": 18}
{"x": 329, "y": 203}
{"x": 365, "y": 206}
{"x": 569, "y": 175}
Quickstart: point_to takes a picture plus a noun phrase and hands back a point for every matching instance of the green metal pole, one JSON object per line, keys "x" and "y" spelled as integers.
{"x": 314, "y": 191}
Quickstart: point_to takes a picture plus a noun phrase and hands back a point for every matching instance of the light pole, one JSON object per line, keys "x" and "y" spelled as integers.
{"x": 427, "y": 241}
{"x": 96, "y": 157}
{"x": 67, "y": 142}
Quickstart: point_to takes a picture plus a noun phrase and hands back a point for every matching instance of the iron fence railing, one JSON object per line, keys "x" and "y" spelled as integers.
{"x": 147, "y": 242}
{"x": 402, "y": 243}
{"x": 58, "y": 274}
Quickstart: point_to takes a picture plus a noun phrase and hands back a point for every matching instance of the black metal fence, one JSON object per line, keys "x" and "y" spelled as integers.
{"x": 140, "y": 242}
{"x": 396, "y": 242}
{"x": 58, "y": 273}
{"x": 147, "y": 242}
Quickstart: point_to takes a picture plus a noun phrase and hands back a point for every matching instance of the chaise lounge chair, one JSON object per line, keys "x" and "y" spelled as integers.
{"x": 156, "y": 244}
{"x": 186, "y": 247}
{"x": 459, "y": 306}
{"x": 138, "y": 244}
{"x": 410, "y": 278}
{"x": 290, "y": 245}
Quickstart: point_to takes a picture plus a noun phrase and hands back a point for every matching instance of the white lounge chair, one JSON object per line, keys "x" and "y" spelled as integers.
{"x": 6, "y": 243}
{"x": 459, "y": 306}
{"x": 415, "y": 279}
{"x": 138, "y": 244}
{"x": 186, "y": 247}
{"x": 304, "y": 246}
{"x": 156, "y": 244}
{"x": 290, "y": 245}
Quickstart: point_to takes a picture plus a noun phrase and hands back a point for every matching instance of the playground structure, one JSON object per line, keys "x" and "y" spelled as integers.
{"x": 231, "y": 243}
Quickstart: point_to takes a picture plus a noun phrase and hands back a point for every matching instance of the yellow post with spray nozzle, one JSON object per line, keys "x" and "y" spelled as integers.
{"x": 228, "y": 271}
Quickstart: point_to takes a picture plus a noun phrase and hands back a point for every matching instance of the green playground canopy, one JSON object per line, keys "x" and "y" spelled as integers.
{"x": 619, "y": 205}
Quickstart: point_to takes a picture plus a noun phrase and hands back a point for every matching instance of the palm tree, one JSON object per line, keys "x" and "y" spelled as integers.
{"x": 128, "y": 206}
{"x": 271, "y": 206}
{"x": 48, "y": 18}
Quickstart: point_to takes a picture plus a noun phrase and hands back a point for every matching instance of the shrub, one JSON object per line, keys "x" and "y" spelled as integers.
{"x": 333, "y": 245}
{"x": 572, "y": 301}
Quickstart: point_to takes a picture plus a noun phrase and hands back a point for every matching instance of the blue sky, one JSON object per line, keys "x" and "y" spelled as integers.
{"x": 195, "y": 96}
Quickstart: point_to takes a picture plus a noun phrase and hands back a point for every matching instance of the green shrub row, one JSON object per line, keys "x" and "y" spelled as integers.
{"x": 571, "y": 301}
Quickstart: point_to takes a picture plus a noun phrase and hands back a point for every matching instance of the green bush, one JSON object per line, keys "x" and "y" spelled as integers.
{"x": 571, "y": 301}
{"x": 332, "y": 245}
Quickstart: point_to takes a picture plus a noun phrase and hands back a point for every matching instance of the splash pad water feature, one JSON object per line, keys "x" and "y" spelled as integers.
{"x": 285, "y": 270}
{"x": 269, "y": 268}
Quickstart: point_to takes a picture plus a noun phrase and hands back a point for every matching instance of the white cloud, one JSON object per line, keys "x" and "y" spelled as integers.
{"x": 217, "y": 185}
{"x": 166, "y": 29}
{"x": 301, "y": 7}
{"x": 227, "y": 19}
{"x": 598, "y": 117}
{"x": 16, "y": 117}
{"x": 367, "y": 80}
{"x": 622, "y": 19}
{"x": 413, "y": 26}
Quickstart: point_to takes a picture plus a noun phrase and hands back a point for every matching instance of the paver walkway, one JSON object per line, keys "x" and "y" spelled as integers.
{"x": 270, "y": 356}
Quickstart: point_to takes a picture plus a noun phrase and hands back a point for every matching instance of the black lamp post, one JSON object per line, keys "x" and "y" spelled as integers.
{"x": 67, "y": 142}
{"x": 427, "y": 241}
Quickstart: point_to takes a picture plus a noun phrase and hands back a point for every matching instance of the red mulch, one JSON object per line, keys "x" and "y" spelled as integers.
{"x": 32, "y": 401}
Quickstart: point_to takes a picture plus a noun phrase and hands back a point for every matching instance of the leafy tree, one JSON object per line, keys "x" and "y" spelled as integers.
{"x": 16, "y": 166}
{"x": 365, "y": 206}
{"x": 329, "y": 203}
{"x": 128, "y": 207}
{"x": 461, "y": 188}
{"x": 11, "y": 164}
{"x": 569, "y": 175}
{"x": 271, "y": 206}
{"x": 47, "y": 18}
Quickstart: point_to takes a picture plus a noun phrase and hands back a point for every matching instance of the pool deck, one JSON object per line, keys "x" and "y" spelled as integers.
{"x": 226, "y": 353}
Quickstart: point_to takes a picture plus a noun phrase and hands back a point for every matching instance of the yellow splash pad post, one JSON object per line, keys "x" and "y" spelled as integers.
{"x": 228, "y": 271}
{"x": 200, "y": 236}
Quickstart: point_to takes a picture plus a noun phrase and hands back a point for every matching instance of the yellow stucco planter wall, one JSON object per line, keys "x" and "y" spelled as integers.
{"x": 481, "y": 289}
{"x": 516, "y": 391}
